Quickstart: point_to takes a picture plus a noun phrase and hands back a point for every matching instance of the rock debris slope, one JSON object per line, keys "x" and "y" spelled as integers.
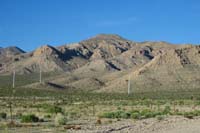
{"x": 105, "y": 62}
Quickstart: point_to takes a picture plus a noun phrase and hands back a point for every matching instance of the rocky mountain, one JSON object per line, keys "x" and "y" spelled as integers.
{"x": 7, "y": 56}
{"x": 105, "y": 63}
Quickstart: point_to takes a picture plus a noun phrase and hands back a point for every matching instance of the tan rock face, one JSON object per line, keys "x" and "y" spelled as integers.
{"x": 108, "y": 60}
{"x": 46, "y": 50}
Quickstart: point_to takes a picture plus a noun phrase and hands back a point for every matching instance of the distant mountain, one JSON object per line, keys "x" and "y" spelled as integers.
{"x": 105, "y": 62}
{"x": 10, "y": 51}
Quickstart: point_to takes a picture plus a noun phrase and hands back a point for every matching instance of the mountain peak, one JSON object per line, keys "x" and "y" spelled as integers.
{"x": 14, "y": 49}
{"x": 46, "y": 49}
{"x": 10, "y": 51}
{"x": 107, "y": 36}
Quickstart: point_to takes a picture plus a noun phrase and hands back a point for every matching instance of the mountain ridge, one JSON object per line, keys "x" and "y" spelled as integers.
{"x": 106, "y": 61}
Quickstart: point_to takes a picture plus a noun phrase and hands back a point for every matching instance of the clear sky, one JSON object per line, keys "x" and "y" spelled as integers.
{"x": 29, "y": 24}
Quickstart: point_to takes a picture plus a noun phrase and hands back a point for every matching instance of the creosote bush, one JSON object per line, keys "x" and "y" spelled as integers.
{"x": 167, "y": 110}
{"x": 47, "y": 116}
{"x": 54, "y": 109}
{"x": 60, "y": 119}
{"x": 29, "y": 118}
{"x": 117, "y": 114}
{"x": 3, "y": 115}
{"x": 48, "y": 108}
{"x": 135, "y": 114}
{"x": 160, "y": 117}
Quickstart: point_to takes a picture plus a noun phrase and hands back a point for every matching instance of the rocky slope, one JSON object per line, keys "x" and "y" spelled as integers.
{"x": 105, "y": 63}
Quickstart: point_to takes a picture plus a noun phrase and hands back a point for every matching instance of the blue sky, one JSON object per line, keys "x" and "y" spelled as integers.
{"x": 29, "y": 24}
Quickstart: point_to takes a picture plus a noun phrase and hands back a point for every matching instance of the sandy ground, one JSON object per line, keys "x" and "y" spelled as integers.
{"x": 170, "y": 124}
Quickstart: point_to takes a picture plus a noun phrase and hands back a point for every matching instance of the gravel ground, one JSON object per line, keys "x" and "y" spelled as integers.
{"x": 170, "y": 124}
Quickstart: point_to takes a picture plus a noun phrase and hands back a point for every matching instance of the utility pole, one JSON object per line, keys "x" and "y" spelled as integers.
{"x": 40, "y": 64}
{"x": 14, "y": 76}
{"x": 129, "y": 85}
{"x": 40, "y": 71}
{"x": 12, "y": 96}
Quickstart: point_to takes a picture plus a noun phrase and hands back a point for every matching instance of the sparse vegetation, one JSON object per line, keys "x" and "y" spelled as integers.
{"x": 29, "y": 118}
{"x": 146, "y": 113}
{"x": 60, "y": 119}
{"x": 3, "y": 115}
{"x": 160, "y": 117}
{"x": 54, "y": 109}
{"x": 63, "y": 108}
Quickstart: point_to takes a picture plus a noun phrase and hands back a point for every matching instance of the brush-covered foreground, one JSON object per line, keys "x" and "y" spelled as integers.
{"x": 65, "y": 110}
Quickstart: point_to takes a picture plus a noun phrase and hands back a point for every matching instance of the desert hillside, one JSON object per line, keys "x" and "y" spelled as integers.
{"x": 105, "y": 62}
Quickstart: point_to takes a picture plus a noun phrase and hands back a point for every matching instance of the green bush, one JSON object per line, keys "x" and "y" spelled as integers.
{"x": 108, "y": 115}
{"x": 125, "y": 115}
{"x": 160, "y": 117}
{"x": 146, "y": 113}
{"x": 3, "y": 115}
{"x": 149, "y": 115}
{"x": 117, "y": 114}
{"x": 54, "y": 109}
{"x": 29, "y": 118}
{"x": 189, "y": 115}
{"x": 167, "y": 110}
{"x": 60, "y": 119}
{"x": 178, "y": 113}
{"x": 135, "y": 115}
{"x": 196, "y": 113}
{"x": 47, "y": 116}
{"x": 18, "y": 115}
{"x": 72, "y": 115}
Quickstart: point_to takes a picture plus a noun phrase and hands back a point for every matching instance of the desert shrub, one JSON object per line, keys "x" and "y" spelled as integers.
{"x": 160, "y": 117}
{"x": 178, "y": 113}
{"x": 107, "y": 115}
{"x": 192, "y": 114}
{"x": 72, "y": 115}
{"x": 47, "y": 116}
{"x": 135, "y": 111}
{"x": 60, "y": 119}
{"x": 146, "y": 113}
{"x": 188, "y": 115}
{"x": 54, "y": 109}
{"x": 18, "y": 115}
{"x": 50, "y": 108}
{"x": 181, "y": 102}
{"x": 196, "y": 113}
{"x": 147, "y": 102}
{"x": 29, "y": 118}
{"x": 149, "y": 115}
{"x": 167, "y": 110}
{"x": 98, "y": 121}
{"x": 135, "y": 115}
{"x": 119, "y": 108}
{"x": 117, "y": 114}
{"x": 125, "y": 115}
{"x": 3, "y": 115}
